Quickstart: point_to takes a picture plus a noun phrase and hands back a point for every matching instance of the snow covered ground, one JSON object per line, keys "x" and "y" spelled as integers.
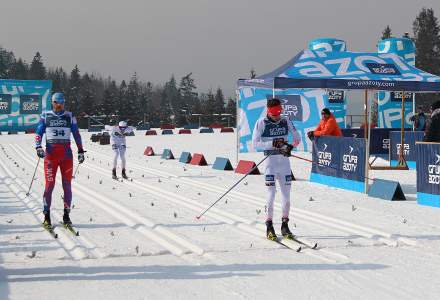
{"x": 139, "y": 239}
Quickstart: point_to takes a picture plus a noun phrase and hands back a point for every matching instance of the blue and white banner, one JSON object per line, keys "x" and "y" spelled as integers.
{"x": 409, "y": 147}
{"x": 347, "y": 70}
{"x": 428, "y": 174}
{"x": 303, "y": 107}
{"x": 339, "y": 162}
{"x": 380, "y": 139}
{"x": 328, "y": 45}
{"x": 390, "y": 103}
{"x": 21, "y": 103}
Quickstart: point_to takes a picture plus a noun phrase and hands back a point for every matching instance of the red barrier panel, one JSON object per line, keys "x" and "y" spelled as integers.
{"x": 151, "y": 132}
{"x": 227, "y": 129}
{"x": 216, "y": 125}
{"x": 245, "y": 166}
{"x": 184, "y": 131}
{"x": 167, "y": 126}
{"x": 198, "y": 160}
{"x": 149, "y": 151}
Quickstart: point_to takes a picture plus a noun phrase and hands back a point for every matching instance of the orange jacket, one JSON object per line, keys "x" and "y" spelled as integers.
{"x": 328, "y": 127}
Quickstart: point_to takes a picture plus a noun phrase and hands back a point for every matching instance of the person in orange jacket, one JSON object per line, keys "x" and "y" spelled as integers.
{"x": 327, "y": 126}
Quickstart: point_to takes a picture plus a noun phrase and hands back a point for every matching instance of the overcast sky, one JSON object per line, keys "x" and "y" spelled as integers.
{"x": 219, "y": 41}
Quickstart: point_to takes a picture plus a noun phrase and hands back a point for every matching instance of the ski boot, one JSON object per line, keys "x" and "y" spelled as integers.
{"x": 285, "y": 231}
{"x": 114, "y": 174}
{"x": 66, "y": 217}
{"x": 123, "y": 174}
{"x": 47, "y": 223}
{"x": 270, "y": 231}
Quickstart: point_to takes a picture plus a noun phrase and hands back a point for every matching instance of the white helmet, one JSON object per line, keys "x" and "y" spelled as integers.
{"x": 122, "y": 124}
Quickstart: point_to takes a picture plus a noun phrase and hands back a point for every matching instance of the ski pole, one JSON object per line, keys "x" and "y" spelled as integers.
{"x": 76, "y": 170}
{"x": 230, "y": 189}
{"x": 314, "y": 162}
{"x": 33, "y": 177}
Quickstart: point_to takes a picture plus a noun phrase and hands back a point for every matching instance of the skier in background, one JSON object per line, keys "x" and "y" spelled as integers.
{"x": 117, "y": 140}
{"x": 270, "y": 135}
{"x": 57, "y": 125}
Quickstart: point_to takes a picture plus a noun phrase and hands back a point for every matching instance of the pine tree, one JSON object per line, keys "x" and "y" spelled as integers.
{"x": 86, "y": 98}
{"x": 73, "y": 92}
{"x": 386, "y": 33}
{"x": 426, "y": 36}
{"x": 133, "y": 103}
{"x": 60, "y": 80}
{"x": 37, "y": 70}
{"x": 122, "y": 101}
{"x": 7, "y": 60}
{"x": 253, "y": 74}
{"x": 219, "y": 100}
{"x": 109, "y": 101}
{"x": 231, "y": 108}
{"x": 19, "y": 70}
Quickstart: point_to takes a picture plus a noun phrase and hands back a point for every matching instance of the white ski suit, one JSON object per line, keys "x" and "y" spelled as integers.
{"x": 117, "y": 140}
{"x": 277, "y": 165}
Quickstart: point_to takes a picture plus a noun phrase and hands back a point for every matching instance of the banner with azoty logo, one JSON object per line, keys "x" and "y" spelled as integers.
{"x": 390, "y": 103}
{"x": 302, "y": 107}
{"x": 409, "y": 147}
{"x": 339, "y": 162}
{"x": 428, "y": 174}
{"x": 5, "y": 103}
{"x": 22, "y": 102}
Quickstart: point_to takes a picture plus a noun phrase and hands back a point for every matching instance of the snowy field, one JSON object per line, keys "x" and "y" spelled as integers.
{"x": 139, "y": 239}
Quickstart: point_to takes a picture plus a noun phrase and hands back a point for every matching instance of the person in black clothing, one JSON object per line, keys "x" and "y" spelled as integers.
{"x": 432, "y": 133}
{"x": 419, "y": 120}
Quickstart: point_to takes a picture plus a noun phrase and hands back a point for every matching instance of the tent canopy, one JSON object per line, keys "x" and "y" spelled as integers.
{"x": 347, "y": 70}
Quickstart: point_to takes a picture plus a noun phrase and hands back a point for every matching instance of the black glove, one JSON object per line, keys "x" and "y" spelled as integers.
{"x": 40, "y": 152}
{"x": 278, "y": 143}
{"x": 81, "y": 156}
{"x": 311, "y": 135}
{"x": 118, "y": 134}
{"x": 286, "y": 150}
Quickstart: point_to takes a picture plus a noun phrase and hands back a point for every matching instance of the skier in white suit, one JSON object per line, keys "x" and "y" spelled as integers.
{"x": 270, "y": 135}
{"x": 117, "y": 140}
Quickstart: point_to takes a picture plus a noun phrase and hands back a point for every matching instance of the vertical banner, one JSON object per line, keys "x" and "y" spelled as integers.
{"x": 390, "y": 103}
{"x": 339, "y": 162}
{"x": 409, "y": 147}
{"x": 22, "y": 102}
{"x": 428, "y": 174}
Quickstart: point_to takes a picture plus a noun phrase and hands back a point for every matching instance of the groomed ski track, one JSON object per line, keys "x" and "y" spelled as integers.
{"x": 191, "y": 249}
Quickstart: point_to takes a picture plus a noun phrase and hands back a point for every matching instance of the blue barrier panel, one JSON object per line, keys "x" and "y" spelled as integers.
{"x": 386, "y": 189}
{"x": 222, "y": 163}
{"x": 409, "y": 147}
{"x": 167, "y": 154}
{"x": 428, "y": 174}
{"x": 185, "y": 157}
{"x": 191, "y": 126}
{"x": 206, "y": 130}
{"x": 167, "y": 131}
{"x": 339, "y": 162}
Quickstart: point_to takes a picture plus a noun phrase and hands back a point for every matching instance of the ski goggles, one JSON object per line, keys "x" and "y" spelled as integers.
{"x": 275, "y": 110}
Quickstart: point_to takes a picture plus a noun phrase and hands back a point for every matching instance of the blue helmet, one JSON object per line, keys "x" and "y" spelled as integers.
{"x": 58, "y": 98}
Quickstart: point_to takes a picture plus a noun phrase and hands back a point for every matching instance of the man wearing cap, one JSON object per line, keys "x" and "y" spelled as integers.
{"x": 327, "y": 126}
{"x": 117, "y": 140}
{"x": 57, "y": 125}
{"x": 270, "y": 135}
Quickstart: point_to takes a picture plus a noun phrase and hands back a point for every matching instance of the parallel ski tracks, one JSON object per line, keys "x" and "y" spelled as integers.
{"x": 252, "y": 227}
{"x": 157, "y": 233}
